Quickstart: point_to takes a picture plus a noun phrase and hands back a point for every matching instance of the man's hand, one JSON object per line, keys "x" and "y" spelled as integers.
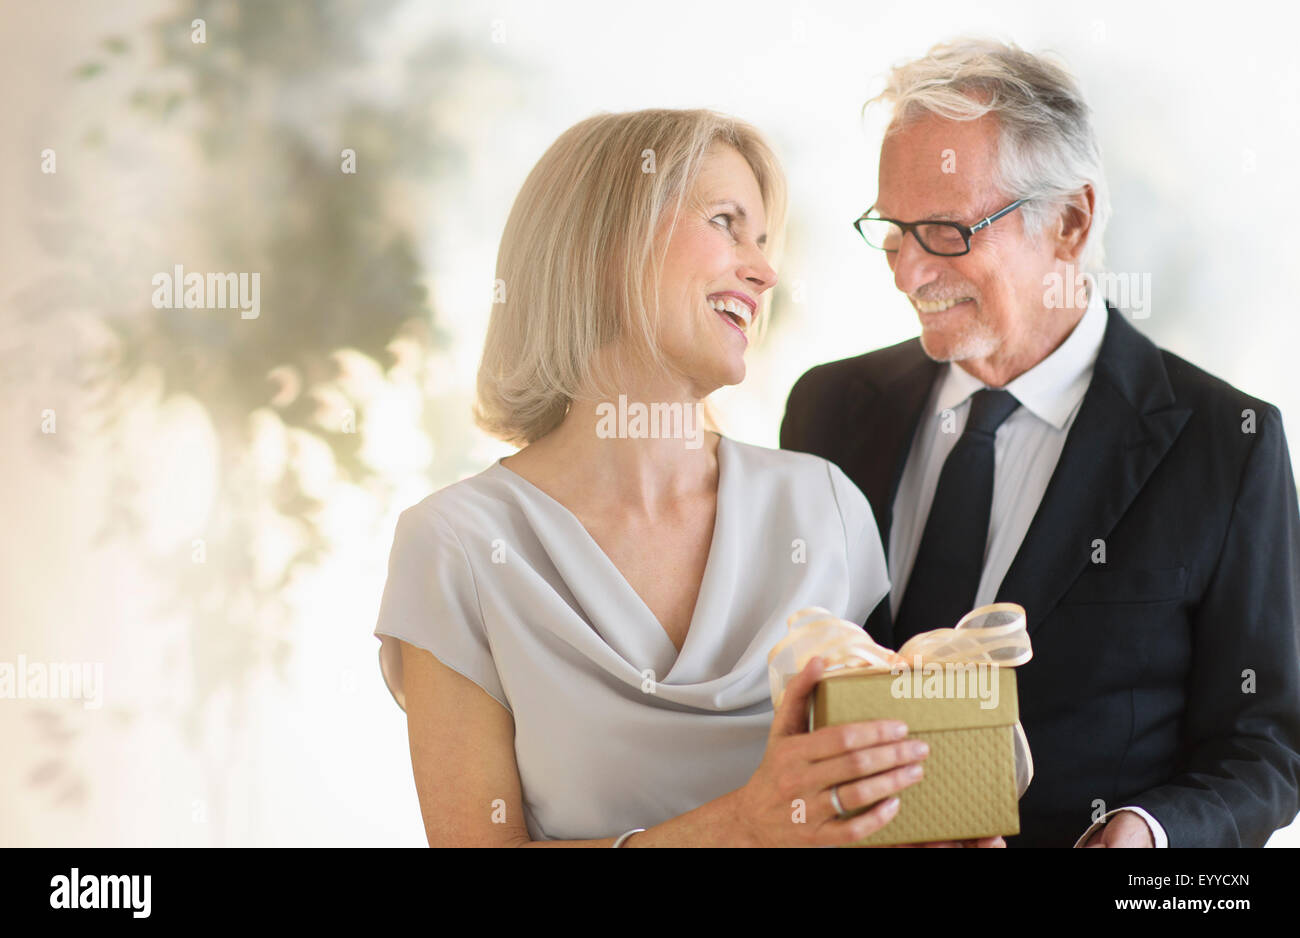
{"x": 1125, "y": 829}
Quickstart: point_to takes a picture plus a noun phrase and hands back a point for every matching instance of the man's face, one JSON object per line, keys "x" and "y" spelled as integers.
{"x": 942, "y": 170}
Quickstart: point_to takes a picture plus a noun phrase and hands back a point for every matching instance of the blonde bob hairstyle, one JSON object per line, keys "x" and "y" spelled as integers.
{"x": 579, "y": 262}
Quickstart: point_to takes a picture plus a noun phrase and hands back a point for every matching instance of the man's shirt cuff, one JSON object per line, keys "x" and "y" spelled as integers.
{"x": 1157, "y": 831}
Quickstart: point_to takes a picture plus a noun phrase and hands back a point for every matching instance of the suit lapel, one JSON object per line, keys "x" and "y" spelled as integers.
{"x": 1126, "y": 424}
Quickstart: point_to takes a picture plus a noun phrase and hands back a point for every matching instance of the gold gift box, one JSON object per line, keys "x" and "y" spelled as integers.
{"x": 969, "y": 787}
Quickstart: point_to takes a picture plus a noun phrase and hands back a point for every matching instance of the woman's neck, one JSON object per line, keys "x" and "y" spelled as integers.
{"x": 636, "y": 453}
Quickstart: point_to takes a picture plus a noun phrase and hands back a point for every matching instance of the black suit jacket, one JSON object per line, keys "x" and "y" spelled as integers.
{"x": 1169, "y": 676}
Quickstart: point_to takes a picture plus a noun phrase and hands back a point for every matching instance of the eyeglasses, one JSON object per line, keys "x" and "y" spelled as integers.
{"x": 943, "y": 238}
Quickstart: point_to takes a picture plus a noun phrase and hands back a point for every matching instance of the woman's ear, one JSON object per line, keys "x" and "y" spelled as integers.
{"x": 1074, "y": 223}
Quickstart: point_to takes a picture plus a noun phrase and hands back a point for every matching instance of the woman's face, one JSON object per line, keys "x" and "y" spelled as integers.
{"x": 714, "y": 273}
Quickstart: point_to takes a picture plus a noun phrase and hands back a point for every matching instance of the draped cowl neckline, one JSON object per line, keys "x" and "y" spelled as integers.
{"x": 631, "y": 638}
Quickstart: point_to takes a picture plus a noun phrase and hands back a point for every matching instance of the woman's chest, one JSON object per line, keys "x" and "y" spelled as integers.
{"x": 663, "y": 561}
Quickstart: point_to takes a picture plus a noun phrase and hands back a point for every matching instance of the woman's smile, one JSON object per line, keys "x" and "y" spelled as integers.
{"x": 736, "y": 309}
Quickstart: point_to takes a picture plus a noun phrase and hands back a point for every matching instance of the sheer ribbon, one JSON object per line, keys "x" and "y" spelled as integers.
{"x": 990, "y": 635}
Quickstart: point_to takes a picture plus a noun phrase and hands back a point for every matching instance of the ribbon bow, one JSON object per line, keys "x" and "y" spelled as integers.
{"x": 993, "y": 635}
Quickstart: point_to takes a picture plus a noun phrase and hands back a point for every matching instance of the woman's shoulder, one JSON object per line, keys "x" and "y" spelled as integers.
{"x": 782, "y": 464}
{"x": 466, "y": 503}
{"x": 798, "y": 480}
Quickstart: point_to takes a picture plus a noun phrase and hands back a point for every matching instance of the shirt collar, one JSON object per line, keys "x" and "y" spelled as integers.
{"x": 1054, "y": 387}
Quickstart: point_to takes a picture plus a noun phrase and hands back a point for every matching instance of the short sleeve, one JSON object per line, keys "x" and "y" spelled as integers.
{"x": 868, "y": 573}
{"x": 430, "y": 601}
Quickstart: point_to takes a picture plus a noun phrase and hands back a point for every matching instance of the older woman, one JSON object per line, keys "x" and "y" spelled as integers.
{"x": 579, "y": 633}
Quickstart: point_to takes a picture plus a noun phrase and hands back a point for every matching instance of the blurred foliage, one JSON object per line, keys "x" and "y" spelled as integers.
{"x": 268, "y": 103}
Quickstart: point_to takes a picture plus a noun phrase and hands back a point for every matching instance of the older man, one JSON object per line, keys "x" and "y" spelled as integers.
{"x": 1032, "y": 446}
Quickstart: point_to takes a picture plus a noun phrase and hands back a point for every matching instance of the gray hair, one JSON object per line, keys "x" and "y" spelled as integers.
{"x": 1047, "y": 148}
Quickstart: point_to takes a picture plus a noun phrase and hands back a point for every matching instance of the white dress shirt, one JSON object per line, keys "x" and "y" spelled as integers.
{"x": 1025, "y": 451}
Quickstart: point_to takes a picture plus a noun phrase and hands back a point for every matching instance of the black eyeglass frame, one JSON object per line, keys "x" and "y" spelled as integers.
{"x": 906, "y": 226}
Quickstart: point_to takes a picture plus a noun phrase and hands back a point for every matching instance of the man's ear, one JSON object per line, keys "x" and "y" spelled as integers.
{"x": 1074, "y": 223}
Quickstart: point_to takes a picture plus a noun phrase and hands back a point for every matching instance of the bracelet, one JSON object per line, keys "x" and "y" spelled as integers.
{"x": 622, "y": 838}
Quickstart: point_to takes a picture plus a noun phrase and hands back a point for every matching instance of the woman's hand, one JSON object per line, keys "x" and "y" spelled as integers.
{"x": 787, "y": 802}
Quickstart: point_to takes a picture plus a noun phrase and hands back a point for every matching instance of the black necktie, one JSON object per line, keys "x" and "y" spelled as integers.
{"x": 950, "y": 560}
